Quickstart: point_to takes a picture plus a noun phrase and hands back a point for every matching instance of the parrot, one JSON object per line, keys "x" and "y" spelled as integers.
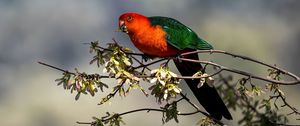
{"x": 161, "y": 37}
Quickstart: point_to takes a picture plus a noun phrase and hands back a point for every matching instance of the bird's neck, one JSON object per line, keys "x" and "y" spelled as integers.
{"x": 141, "y": 27}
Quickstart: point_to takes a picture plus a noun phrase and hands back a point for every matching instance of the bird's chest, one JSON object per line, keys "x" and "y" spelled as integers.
{"x": 153, "y": 42}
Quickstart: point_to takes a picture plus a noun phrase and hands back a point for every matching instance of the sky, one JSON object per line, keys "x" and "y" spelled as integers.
{"x": 54, "y": 32}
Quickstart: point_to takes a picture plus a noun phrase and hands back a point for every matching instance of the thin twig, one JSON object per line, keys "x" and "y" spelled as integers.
{"x": 246, "y": 102}
{"x": 148, "y": 110}
{"x": 149, "y": 63}
{"x": 110, "y": 95}
{"x": 223, "y": 68}
{"x": 66, "y": 71}
{"x": 198, "y": 109}
{"x": 59, "y": 69}
{"x": 245, "y": 58}
{"x": 85, "y": 123}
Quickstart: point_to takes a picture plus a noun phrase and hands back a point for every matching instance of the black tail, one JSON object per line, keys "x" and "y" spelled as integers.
{"x": 206, "y": 95}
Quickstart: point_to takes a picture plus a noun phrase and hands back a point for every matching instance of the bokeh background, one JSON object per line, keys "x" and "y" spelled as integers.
{"x": 53, "y": 31}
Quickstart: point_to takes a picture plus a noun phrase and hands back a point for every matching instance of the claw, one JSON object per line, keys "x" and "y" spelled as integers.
{"x": 146, "y": 57}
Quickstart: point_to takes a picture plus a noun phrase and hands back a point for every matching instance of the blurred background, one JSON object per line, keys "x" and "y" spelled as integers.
{"x": 53, "y": 32}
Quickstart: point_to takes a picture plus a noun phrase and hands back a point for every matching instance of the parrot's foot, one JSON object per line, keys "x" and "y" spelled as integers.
{"x": 165, "y": 64}
{"x": 177, "y": 58}
{"x": 147, "y": 57}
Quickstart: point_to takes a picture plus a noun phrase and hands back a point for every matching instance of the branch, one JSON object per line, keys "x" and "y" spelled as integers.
{"x": 66, "y": 71}
{"x": 297, "y": 78}
{"x": 245, "y": 102}
{"x": 110, "y": 95}
{"x": 129, "y": 71}
{"x": 198, "y": 110}
{"x": 140, "y": 110}
{"x": 223, "y": 68}
{"x": 59, "y": 69}
{"x": 160, "y": 110}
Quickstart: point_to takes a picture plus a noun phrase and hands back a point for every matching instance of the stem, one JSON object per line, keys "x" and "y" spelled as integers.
{"x": 245, "y": 58}
{"x": 223, "y": 68}
{"x": 59, "y": 69}
{"x": 149, "y": 63}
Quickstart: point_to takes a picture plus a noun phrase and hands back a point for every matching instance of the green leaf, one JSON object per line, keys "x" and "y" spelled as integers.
{"x": 77, "y": 96}
{"x": 170, "y": 112}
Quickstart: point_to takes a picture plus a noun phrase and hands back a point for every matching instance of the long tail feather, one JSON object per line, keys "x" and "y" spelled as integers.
{"x": 206, "y": 95}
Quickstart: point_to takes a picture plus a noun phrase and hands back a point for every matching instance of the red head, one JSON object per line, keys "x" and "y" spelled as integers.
{"x": 133, "y": 22}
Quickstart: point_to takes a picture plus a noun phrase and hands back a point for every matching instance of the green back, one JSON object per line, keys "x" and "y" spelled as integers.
{"x": 179, "y": 35}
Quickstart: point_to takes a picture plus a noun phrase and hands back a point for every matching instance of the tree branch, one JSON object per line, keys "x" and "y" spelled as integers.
{"x": 297, "y": 78}
{"x": 223, "y": 68}
{"x": 141, "y": 75}
{"x": 161, "y": 110}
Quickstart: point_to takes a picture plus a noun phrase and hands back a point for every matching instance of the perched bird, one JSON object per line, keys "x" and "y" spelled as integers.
{"x": 165, "y": 37}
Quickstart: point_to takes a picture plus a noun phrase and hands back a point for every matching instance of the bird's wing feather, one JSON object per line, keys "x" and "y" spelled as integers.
{"x": 179, "y": 35}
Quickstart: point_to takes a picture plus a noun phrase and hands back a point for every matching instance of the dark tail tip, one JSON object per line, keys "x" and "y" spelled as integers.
{"x": 206, "y": 95}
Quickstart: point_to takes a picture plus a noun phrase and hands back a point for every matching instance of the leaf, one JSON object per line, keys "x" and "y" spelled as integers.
{"x": 126, "y": 61}
{"x": 115, "y": 61}
{"x": 104, "y": 70}
{"x": 172, "y": 74}
{"x": 127, "y": 81}
{"x": 163, "y": 74}
{"x": 126, "y": 49}
{"x": 165, "y": 95}
{"x": 153, "y": 80}
{"x": 154, "y": 71}
{"x": 170, "y": 112}
{"x": 201, "y": 82}
{"x": 101, "y": 85}
{"x": 210, "y": 81}
{"x": 177, "y": 90}
{"x": 127, "y": 74}
{"x": 93, "y": 60}
{"x": 122, "y": 91}
{"x": 61, "y": 80}
{"x": 118, "y": 74}
{"x": 162, "y": 82}
{"x": 77, "y": 96}
{"x": 106, "y": 64}
{"x": 280, "y": 92}
{"x": 197, "y": 74}
{"x": 206, "y": 121}
{"x": 105, "y": 99}
{"x": 120, "y": 81}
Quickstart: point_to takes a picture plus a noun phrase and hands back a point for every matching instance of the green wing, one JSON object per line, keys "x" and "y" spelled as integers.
{"x": 179, "y": 35}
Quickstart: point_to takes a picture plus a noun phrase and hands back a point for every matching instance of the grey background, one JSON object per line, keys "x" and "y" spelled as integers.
{"x": 53, "y": 32}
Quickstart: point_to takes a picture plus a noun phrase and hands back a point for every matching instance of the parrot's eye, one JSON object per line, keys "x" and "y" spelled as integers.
{"x": 129, "y": 18}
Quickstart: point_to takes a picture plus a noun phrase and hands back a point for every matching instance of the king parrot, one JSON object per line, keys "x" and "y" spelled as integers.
{"x": 165, "y": 37}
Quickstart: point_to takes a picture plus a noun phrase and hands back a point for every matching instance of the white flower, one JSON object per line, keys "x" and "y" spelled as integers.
{"x": 202, "y": 81}
{"x": 116, "y": 62}
{"x": 127, "y": 81}
{"x": 153, "y": 80}
{"x": 172, "y": 74}
{"x": 162, "y": 82}
{"x": 210, "y": 81}
{"x": 163, "y": 74}
{"x": 177, "y": 90}
{"x": 119, "y": 81}
{"x": 154, "y": 71}
{"x": 127, "y": 62}
{"x": 106, "y": 64}
{"x": 104, "y": 70}
{"x": 118, "y": 75}
{"x": 165, "y": 94}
